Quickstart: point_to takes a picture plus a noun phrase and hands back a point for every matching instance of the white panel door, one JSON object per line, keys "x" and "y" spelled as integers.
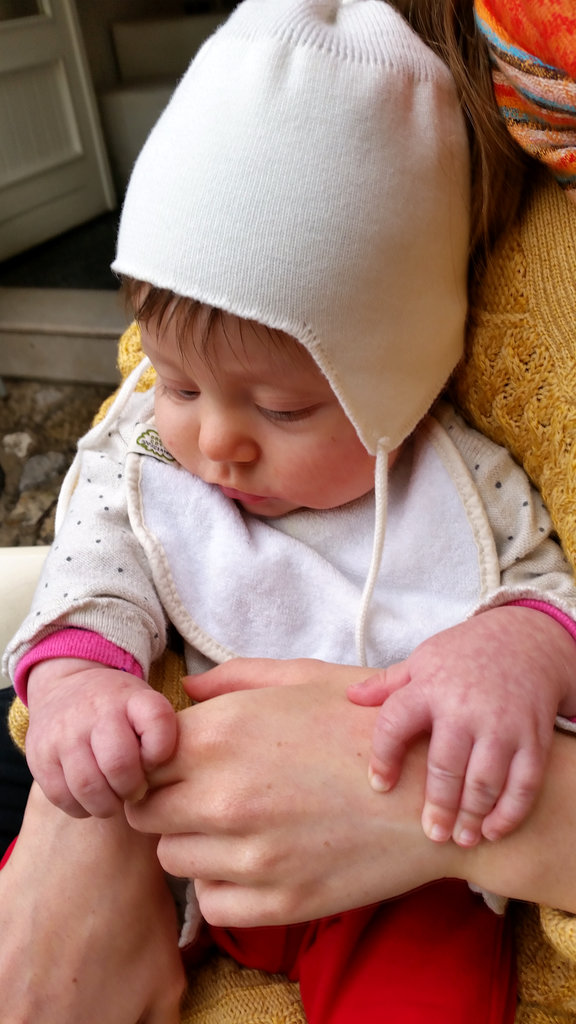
{"x": 54, "y": 172}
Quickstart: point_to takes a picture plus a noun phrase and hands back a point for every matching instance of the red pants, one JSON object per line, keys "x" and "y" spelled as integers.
{"x": 7, "y": 854}
{"x": 435, "y": 956}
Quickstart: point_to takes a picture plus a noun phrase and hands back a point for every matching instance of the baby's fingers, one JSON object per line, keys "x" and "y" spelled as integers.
{"x": 402, "y": 717}
{"x": 117, "y": 752}
{"x": 523, "y": 783}
{"x": 72, "y": 780}
{"x": 52, "y": 781}
{"x": 133, "y": 740}
{"x": 448, "y": 757}
{"x": 486, "y": 776}
{"x": 154, "y": 721}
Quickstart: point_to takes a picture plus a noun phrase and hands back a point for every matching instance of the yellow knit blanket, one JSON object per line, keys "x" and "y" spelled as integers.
{"x": 518, "y": 385}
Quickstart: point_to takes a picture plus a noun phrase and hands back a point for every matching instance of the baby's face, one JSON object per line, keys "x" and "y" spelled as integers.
{"x": 256, "y": 418}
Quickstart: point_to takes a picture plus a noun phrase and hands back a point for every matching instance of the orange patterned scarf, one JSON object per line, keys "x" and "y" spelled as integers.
{"x": 533, "y": 49}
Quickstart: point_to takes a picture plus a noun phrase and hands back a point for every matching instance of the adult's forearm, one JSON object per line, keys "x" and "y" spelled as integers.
{"x": 537, "y": 862}
{"x": 93, "y": 891}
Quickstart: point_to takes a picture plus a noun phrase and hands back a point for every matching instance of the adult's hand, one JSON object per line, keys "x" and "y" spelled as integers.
{"x": 258, "y": 673}
{"x": 87, "y": 925}
{"x": 267, "y": 803}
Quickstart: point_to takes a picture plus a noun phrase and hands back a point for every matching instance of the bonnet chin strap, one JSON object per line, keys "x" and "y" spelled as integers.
{"x": 381, "y": 509}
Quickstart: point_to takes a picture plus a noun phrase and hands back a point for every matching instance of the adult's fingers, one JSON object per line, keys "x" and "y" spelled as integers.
{"x": 259, "y": 673}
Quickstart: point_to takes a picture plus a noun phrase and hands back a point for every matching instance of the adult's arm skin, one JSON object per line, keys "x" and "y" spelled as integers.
{"x": 88, "y": 926}
{"x": 267, "y": 804}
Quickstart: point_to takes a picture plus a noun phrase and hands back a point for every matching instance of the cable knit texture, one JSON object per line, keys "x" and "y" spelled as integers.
{"x": 517, "y": 385}
{"x": 518, "y": 382}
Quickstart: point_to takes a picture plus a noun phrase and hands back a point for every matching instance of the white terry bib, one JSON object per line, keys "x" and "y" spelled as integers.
{"x": 236, "y": 585}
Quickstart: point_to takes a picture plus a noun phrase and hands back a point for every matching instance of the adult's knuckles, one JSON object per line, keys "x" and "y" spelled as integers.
{"x": 232, "y": 810}
{"x": 260, "y": 858}
{"x": 231, "y": 906}
{"x": 214, "y": 727}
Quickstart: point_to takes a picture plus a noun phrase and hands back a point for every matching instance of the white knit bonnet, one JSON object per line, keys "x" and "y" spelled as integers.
{"x": 311, "y": 172}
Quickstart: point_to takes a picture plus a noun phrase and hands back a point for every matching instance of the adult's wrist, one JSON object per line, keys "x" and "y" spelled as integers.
{"x": 536, "y": 862}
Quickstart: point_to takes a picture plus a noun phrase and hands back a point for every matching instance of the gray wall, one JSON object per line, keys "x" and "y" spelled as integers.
{"x": 95, "y": 20}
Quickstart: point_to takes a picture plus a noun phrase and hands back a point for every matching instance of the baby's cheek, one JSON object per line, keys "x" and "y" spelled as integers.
{"x": 171, "y": 429}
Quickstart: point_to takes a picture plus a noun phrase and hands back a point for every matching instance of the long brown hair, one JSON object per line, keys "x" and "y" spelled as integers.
{"x": 498, "y": 163}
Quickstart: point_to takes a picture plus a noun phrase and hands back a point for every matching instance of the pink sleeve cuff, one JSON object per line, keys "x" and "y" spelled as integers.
{"x": 74, "y": 643}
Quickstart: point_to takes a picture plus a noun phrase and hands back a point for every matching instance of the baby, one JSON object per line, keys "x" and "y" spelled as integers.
{"x": 294, "y": 241}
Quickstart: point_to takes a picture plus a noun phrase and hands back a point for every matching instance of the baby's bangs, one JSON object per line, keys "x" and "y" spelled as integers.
{"x": 194, "y": 320}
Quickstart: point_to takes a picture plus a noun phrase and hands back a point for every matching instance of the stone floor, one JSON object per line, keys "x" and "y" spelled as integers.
{"x": 40, "y": 423}
{"x": 40, "y": 420}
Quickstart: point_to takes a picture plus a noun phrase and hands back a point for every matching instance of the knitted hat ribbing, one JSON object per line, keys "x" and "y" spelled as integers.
{"x": 311, "y": 173}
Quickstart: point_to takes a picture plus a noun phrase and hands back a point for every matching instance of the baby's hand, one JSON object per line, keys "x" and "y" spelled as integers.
{"x": 488, "y": 691}
{"x": 93, "y": 734}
